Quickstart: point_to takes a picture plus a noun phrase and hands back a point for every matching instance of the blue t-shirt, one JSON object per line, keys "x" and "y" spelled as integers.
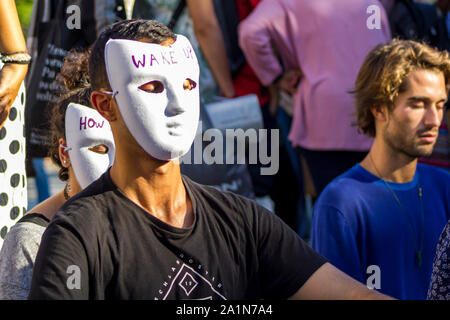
{"x": 359, "y": 226}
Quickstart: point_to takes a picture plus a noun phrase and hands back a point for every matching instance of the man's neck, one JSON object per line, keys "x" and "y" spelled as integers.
{"x": 154, "y": 185}
{"x": 389, "y": 165}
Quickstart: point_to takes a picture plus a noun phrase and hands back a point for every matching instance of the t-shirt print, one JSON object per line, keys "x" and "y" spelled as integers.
{"x": 190, "y": 281}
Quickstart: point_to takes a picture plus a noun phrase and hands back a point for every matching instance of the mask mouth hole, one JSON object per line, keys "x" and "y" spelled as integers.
{"x": 100, "y": 149}
{"x": 154, "y": 86}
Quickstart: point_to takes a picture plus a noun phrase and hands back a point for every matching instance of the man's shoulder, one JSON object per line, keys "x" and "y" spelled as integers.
{"x": 436, "y": 179}
{"x": 240, "y": 213}
{"x": 347, "y": 190}
{"x": 219, "y": 200}
{"x": 346, "y": 183}
{"x": 436, "y": 174}
{"x": 214, "y": 194}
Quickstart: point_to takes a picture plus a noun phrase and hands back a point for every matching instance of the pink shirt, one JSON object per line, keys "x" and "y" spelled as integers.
{"x": 328, "y": 40}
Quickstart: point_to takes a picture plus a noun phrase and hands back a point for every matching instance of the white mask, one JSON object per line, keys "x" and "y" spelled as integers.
{"x": 86, "y": 128}
{"x": 163, "y": 122}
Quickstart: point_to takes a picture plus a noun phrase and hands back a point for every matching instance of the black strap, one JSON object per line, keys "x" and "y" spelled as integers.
{"x": 35, "y": 218}
{"x": 176, "y": 14}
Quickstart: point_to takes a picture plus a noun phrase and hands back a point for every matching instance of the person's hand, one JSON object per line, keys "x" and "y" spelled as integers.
{"x": 11, "y": 77}
{"x": 229, "y": 93}
{"x": 290, "y": 80}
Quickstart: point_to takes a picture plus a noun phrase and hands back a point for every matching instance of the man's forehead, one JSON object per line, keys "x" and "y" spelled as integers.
{"x": 426, "y": 82}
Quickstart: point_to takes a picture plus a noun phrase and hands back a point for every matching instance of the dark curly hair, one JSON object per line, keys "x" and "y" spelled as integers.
{"x": 74, "y": 73}
{"x": 74, "y": 87}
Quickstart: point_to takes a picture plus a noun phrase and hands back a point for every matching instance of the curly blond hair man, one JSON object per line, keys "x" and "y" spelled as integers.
{"x": 380, "y": 221}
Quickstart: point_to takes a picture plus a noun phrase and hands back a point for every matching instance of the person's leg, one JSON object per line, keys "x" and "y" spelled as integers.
{"x": 302, "y": 221}
{"x": 41, "y": 178}
{"x": 262, "y": 184}
{"x": 285, "y": 192}
{"x": 284, "y": 123}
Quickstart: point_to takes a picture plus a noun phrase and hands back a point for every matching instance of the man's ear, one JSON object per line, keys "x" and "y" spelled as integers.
{"x": 380, "y": 112}
{"x": 63, "y": 151}
{"x": 104, "y": 103}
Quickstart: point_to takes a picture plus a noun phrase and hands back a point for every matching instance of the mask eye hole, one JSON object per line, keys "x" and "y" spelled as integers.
{"x": 100, "y": 148}
{"x": 189, "y": 84}
{"x": 154, "y": 86}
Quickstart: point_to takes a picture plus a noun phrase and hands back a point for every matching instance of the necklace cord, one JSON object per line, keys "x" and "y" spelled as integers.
{"x": 422, "y": 231}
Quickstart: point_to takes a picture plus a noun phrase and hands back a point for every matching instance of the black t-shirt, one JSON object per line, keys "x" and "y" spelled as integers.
{"x": 101, "y": 245}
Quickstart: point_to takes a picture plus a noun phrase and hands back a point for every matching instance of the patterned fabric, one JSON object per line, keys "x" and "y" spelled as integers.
{"x": 13, "y": 181}
{"x": 162, "y": 11}
{"x": 440, "y": 278}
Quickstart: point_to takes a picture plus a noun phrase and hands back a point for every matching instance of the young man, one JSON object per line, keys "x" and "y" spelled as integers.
{"x": 144, "y": 231}
{"x": 380, "y": 221}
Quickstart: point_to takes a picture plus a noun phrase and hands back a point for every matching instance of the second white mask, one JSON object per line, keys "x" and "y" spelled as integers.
{"x": 85, "y": 130}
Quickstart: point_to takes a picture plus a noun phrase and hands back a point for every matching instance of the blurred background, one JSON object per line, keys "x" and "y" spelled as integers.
{"x": 24, "y": 8}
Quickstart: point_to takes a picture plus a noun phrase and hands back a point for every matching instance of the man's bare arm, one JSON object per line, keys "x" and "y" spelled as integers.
{"x": 329, "y": 283}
